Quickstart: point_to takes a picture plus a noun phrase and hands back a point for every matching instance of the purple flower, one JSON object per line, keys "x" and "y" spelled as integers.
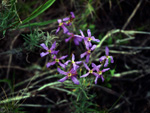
{"x": 51, "y": 51}
{"x": 87, "y": 40}
{"x": 56, "y": 60}
{"x": 74, "y": 63}
{"x": 88, "y": 52}
{"x": 91, "y": 71}
{"x": 70, "y": 74}
{"x": 68, "y": 20}
{"x": 61, "y": 25}
{"x": 105, "y": 58}
{"x": 76, "y": 38}
{"x": 99, "y": 72}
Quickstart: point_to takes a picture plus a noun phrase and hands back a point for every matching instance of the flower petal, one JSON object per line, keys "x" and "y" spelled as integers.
{"x": 94, "y": 39}
{"x": 107, "y": 51}
{"x": 66, "y": 40}
{"x": 85, "y": 75}
{"x": 61, "y": 71}
{"x": 63, "y": 79}
{"x": 102, "y": 58}
{"x": 44, "y": 54}
{"x": 66, "y": 63}
{"x": 50, "y": 63}
{"x": 53, "y": 46}
{"x": 74, "y": 79}
{"x": 76, "y": 41}
{"x": 72, "y": 15}
{"x": 44, "y": 46}
{"x": 106, "y": 63}
{"x": 62, "y": 65}
{"x": 89, "y": 33}
{"x": 55, "y": 52}
{"x": 87, "y": 58}
{"x": 83, "y": 54}
{"x": 93, "y": 47}
{"x": 66, "y": 19}
{"x": 78, "y": 62}
{"x": 96, "y": 79}
{"x": 63, "y": 57}
{"x": 86, "y": 66}
{"x": 57, "y": 29}
{"x": 104, "y": 70}
{"x": 59, "y": 20}
{"x": 65, "y": 29}
{"x": 102, "y": 78}
{"x": 82, "y": 33}
{"x": 73, "y": 57}
{"x": 112, "y": 60}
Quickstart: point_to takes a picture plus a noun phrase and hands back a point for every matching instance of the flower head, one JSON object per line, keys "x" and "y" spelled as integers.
{"x": 56, "y": 60}
{"x": 76, "y": 38}
{"x": 99, "y": 72}
{"x": 90, "y": 71}
{"x": 48, "y": 51}
{"x": 88, "y": 52}
{"x": 70, "y": 74}
{"x": 105, "y": 58}
{"x": 68, "y": 20}
{"x": 74, "y": 63}
{"x": 61, "y": 25}
{"x": 89, "y": 38}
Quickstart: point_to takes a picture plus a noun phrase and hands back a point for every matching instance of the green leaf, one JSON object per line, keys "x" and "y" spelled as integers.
{"x": 38, "y": 23}
{"x": 38, "y": 11}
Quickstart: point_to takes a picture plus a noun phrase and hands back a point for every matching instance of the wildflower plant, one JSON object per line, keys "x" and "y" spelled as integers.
{"x": 71, "y": 67}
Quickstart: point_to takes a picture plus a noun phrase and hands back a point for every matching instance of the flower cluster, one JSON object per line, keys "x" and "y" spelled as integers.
{"x": 72, "y": 66}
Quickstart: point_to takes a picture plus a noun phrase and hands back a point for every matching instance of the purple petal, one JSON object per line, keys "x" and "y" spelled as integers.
{"x": 82, "y": 33}
{"x": 63, "y": 79}
{"x": 96, "y": 79}
{"x": 44, "y": 54}
{"x": 106, "y": 63}
{"x": 44, "y": 46}
{"x": 112, "y": 60}
{"x": 104, "y": 70}
{"x": 72, "y": 15}
{"x": 53, "y": 46}
{"x": 62, "y": 65}
{"x": 73, "y": 57}
{"x": 66, "y": 63}
{"x": 93, "y": 47}
{"x": 61, "y": 71}
{"x": 65, "y": 29}
{"x": 66, "y": 19}
{"x": 59, "y": 20}
{"x": 86, "y": 44}
{"x": 76, "y": 41}
{"x": 85, "y": 75}
{"x": 87, "y": 58}
{"x": 78, "y": 62}
{"x": 77, "y": 37}
{"x": 85, "y": 65}
{"x": 57, "y": 29}
{"x": 50, "y": 63}
{"x": 74, "y": 79}
{"x": 94, "y": 39}
{"x": 75, "y": 67}
{"x": 83, "y": 54}
{"x": 66, "y": 40}
{"x": 102, "y": 58}
{"x": 55, "y": 52}
{"x": 89, "y": 33}
{"x": 107, "y": 51}
{"x": 63, "y": 57}
{"x": 102, "y": 78}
